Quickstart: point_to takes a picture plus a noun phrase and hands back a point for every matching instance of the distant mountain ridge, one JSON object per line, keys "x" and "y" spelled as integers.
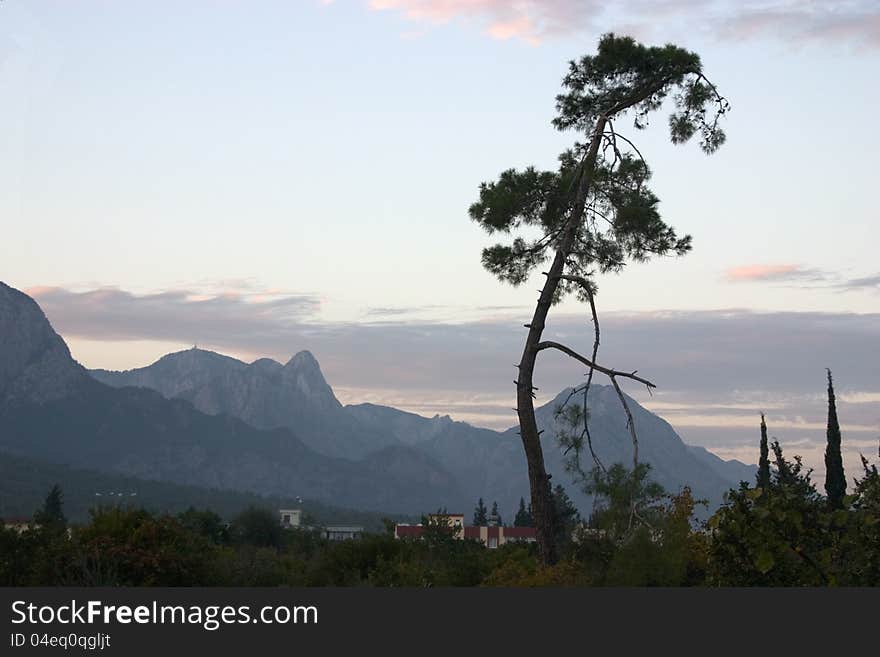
{"x": 201, "y": 418}
{"x": 51, "y": 409}
{"x": 487, "y": 463}
{"x": 265, "y": 394}
{"x": 24, "y": 483}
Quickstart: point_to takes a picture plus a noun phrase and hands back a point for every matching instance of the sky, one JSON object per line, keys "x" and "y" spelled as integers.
{"x": 264, "y": 177}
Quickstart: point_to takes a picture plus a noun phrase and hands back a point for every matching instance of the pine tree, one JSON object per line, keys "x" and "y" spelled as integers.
{"x": 52, "y": 513}
{"x": 480, "y": 519}
{"x": 835, "y": 480}
{"x": 495, "y": 516}
{"x": 764, "y": 460}
{"x": 595, "y": 211}
{"x": 523, "y": 516}
{"x": 566, "y": 517}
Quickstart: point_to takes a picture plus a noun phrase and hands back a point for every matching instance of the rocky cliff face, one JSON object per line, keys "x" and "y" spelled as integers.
{"x": 265, "y": 394}
{"x": 173, "y": 374}
{"x": 35, "y": 363}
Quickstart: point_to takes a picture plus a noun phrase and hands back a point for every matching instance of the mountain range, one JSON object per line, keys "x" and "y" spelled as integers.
{"x": 204, "y": 419}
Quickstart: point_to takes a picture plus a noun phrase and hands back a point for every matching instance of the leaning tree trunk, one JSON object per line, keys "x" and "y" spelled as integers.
{"x": 539, "y": 481}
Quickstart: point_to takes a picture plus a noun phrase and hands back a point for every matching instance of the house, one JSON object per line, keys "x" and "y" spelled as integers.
{"x": 491, "y": 536}
{"x": 290, "y": 518}
{"x": 18, "y": 525}
{"x": 342, "y": 532}
{"x": 455, "y": 520}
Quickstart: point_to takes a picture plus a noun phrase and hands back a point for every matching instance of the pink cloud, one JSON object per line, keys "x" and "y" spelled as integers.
{"x": 530, "y": 20}
{"x": 771, "y": 272}
{"x": 855, "y": 23}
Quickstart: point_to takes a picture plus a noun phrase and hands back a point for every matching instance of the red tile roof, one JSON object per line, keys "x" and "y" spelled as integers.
{"x": 520, "y": 532}
{"x": 408, "y": 531}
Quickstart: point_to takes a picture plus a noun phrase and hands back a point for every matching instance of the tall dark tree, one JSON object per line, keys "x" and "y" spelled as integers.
{"x": 495, "y": 517}
{"x": 595, "y": 211}
{"x": 835, "y": 480}
{"x": 523, "y": 516}
{"x": 764, "y": 459}
{"x": 480, "y": 517}
{"x": 566, "y": 517}
{"x": 52, "y": 512}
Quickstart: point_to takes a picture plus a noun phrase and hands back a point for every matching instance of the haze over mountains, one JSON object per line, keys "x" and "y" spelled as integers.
{"x": 201, "y": 418}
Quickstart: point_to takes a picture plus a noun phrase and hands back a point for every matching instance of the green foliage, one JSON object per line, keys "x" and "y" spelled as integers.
{"x": 619, "y": 217}
{"x": 521, "y": 569}
{"x": 783, "y": 533}
{"x": 859, "y": 543}
{"x": 205, "y": 523}
{"x": 625, "y": 76}
{"x": 623, "y": 498}
{"x": 256, "y": 526}
{"x": 438, "y": 528}
{"x": 782, "y": 536}
{"x": 639, "y": 535}
{"x": 131, "y": 547}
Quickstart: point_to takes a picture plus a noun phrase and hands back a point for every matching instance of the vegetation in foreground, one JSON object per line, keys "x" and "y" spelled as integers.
{"x": 782, "y": 534}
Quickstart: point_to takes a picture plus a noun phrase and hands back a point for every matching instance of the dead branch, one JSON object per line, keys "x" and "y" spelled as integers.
{"x": 586, "y": 361}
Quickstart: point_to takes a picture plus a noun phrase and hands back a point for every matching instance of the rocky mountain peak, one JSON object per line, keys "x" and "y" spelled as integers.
{"x": 304, "y": 373}
{"x": 174, "y": 373}
{"x": 304, "y": 360}
{"x": 35, "y": 363}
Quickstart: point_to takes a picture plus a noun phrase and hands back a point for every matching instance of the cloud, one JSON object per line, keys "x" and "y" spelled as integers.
{"x": 773, "y": 273}
{"x": 529, "y": 20}
{"x": 866, "y": 283}
{"x": 710, "y": 351}
{"x": 397, "y": 311}
{"x": 852, "y": 23}
{"x": 800, "y": 276}
{"x": 193, "y": 316}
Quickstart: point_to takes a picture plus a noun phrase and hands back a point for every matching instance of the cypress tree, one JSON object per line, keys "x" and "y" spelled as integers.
{"x": 764, "y": 460}
{"x": 522, "y": 518}
{"x": 835, "y": 480}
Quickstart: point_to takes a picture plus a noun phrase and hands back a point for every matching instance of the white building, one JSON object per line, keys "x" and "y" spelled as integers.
{"x": 290, "y": 518}
{"x": 342, "y": 532}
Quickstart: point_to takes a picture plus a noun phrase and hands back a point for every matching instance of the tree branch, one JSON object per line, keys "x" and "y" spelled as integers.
{"x": 586, "y": 361}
